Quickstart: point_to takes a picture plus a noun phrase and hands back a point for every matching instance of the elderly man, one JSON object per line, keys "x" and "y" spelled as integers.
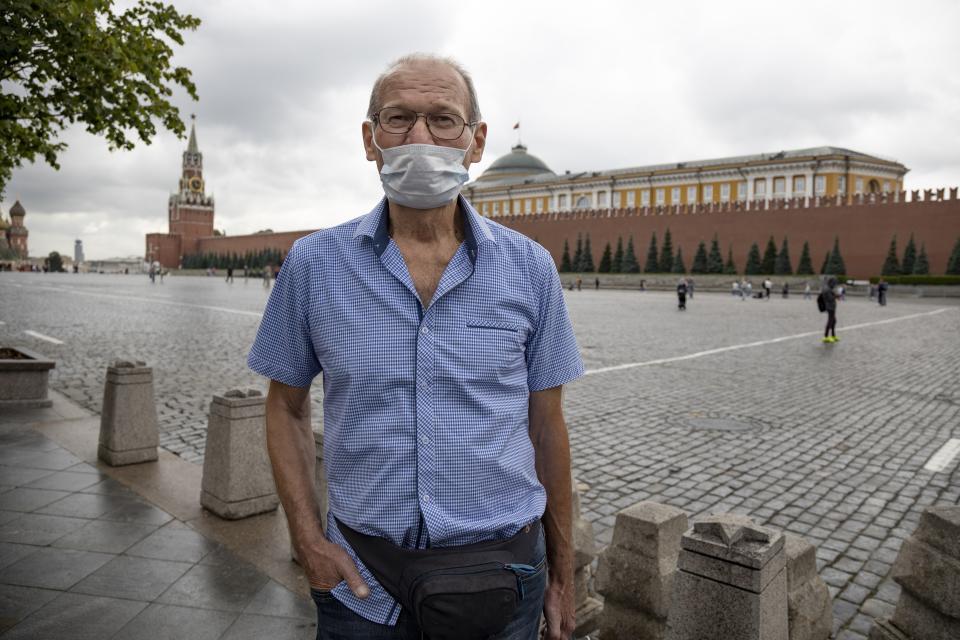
{"x": 444, "y": 342}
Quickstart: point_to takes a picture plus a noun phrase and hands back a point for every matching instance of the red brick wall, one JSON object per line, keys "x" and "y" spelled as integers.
{"x": 164, "y": 247}
{"x": 255, "y": 242}
{"x": 864, "y": 230}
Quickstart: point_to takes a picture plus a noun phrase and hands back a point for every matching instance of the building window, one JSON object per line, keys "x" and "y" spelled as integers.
{"x": 842, "y": 185}
{"x": 742, "y": 190}
{"x": 539, "y": 205}
{"x": 496, "y": 208}
{"x": 527, "y": 206}
{"x": 583, "y": 202}
{"x": 661, "y": 199}
{"x": 760, "y": 188}
{"x": 675, "y": 195}
{"x": 601, "y": 199}
{"x": 820, "y": 185}
{"x": 779, "y": 187}
{"x": 725, "y": 192}
{"x": 708, "y": 193}
{"x": 691, "y": 195}
{"x": 799, "y": 185}
{"x": 516, "y": 207}
{"x": 645, "y": 198}
{"x": 858, "y": 185}
{"x": 886, "y": 187}
{"x": 632, "y": 198}
{"x": 562, "y": 201}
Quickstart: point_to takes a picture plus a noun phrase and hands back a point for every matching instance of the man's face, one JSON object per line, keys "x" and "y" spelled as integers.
{"x": 425, "y": 88}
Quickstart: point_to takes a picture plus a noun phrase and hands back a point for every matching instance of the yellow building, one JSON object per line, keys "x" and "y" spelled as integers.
{"x": 520, "y": 183}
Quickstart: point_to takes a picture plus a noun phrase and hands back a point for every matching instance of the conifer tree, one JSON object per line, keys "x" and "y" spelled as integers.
{"x": 678, "y": 266}
{"x": 953, "y": 263}
{"x": 826, "y": 264}
{"x": 587, "y": 265}
{"x": 921, "y": 267}
{"x": 805, "y": 267}
{"x": 617, "y": 265}
{"x": 565, "y": 266}
{"x": 769, "y": 262}
{"x": 836, "y": 265}
{"x": 578, "y": 254}
{"x": 891, "y": 267}
{"x": 752, "y": 267}
{"x": 700, "y": 259}
{"x": 653, "y": 261}
{"x": 784, "y": 268}
{"x": 666, "y": 253}
{"x": 909, "y": 257}
{"x": 715, "y": 258}
{"x": 730, "y": 268}
{"x": 630, "y": 264}
{"x": 605, "y": 260}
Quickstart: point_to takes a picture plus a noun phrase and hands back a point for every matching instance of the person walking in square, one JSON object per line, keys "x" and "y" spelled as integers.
{"x": 444, "y": 343}
{"x": 829, "y": 296}
{"x": 882, "y": 287}
{"x": 682, "y": 294}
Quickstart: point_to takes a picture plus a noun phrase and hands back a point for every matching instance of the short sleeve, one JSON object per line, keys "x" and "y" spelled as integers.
{"x": 553, "y": 357}
{"x": 283, "y": 349}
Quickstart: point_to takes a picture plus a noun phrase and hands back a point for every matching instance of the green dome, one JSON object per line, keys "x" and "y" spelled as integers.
{"x": 17, "y": 209}
{"x": 517, "y": 163}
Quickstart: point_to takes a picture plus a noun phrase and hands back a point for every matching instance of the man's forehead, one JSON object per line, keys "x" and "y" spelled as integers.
{"x": 433, "y": 82}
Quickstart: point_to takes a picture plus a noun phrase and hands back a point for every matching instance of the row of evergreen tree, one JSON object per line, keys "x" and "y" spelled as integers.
{"x": 254, "y": 260}
{"x": 917, "y": 264}
{"x": 662, "y": 259}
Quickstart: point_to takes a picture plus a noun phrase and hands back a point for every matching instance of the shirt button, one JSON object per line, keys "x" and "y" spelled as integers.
{"x": 424, "y": 440}
{"x": 426, "y": 497}
{"x": 424, "y": 330}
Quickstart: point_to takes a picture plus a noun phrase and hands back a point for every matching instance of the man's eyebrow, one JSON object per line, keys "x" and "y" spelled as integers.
{"x": 440, "y": 106}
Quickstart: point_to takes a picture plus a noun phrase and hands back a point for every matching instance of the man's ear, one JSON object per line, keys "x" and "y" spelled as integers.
{"x": 367, "y": 132}
{"x": 479, "y": 142}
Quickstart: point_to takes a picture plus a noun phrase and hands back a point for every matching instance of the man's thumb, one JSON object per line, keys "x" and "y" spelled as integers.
{"x": 353, "y": 579}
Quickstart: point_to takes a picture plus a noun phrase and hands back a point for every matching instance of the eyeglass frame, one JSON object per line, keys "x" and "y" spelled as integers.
{"x": 375, "y": 118}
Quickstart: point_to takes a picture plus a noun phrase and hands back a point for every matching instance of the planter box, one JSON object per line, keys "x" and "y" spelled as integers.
{"x": 23, "y": 378}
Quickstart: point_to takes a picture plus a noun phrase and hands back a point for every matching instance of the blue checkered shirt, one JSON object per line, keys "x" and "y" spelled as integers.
{"x": 425, "y": 410}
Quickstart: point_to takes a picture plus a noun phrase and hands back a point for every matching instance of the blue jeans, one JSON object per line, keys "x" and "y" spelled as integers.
{"x": 337, "y": 622}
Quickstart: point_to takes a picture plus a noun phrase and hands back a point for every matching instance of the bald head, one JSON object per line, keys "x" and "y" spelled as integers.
{"x": 410, "y": 64}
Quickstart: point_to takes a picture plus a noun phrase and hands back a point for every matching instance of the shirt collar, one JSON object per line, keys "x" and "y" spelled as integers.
{"x": 476, "y": 231}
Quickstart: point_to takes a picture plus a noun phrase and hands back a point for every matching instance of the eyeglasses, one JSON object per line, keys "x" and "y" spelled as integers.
{"x": 442, "y": 126}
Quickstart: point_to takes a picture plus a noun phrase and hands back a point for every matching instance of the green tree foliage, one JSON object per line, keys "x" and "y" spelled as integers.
{"x": 921, "y": 267}
{"x": 825, "y": 265}
{"x": 653, "y": 260}
{"x": 678, "y": 266}
{"x": 54, "y": 262}
{"x": 586, "y": 263}
{"x": 769, "y": 262}
{"x": 630, "y": 264}
{"x": 909, "y": 257}
{"x": 253, "y": 260}
{"x": 700, "y": 259}
{"x": 784, "y": 267}
{"x": 666, "y": 253}
{"x": 715, "y": 258}
{"x": 578, "y": 255}
{"x": 805, "y": 266}
{"x": 731, "y": 267}
{"x": 953, "y": 263}
{"x": 752, "y": 266}
{"x": 86, "y": 61}
{"x": 565, "y": 266}
{"x": 891, "y": 266}
{"x": 617, "y": 265}
{"x": 606, "y": 261}
{"x": 835, "y": 265}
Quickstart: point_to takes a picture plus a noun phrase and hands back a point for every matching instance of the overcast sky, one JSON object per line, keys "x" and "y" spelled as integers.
{"x": 596, "y": 85}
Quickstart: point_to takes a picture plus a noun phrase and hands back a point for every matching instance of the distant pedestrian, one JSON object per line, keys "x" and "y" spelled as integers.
{"x": 579, "y": 284}
{"x": 786, "y": 290}
{"x": 842, "y": 292}
{"x": 152, "y": 272}
{"x": 596, "y": 283}
{"x": 871, "y": 289}
{"x": 806, "y": 290}
{"x": 767, "y": 286}
{"x": 229, "y": 275}
{"x": 682, "y": 295}
{"x": 827, "y": 301}
{"x": 882, "y": 292}
{"x": 643, "y": 285}
{"x": 690, "y": 287}
{"x": 735, "y": 289}
{"x": 267, "y": 272}
{"x": 163, "y": 272}
{"x": 747, "y": 289}
{"x": 246, "y": 273}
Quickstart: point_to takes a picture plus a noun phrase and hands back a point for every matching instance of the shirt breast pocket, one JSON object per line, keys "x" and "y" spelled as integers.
{"x": 494, "y": 350}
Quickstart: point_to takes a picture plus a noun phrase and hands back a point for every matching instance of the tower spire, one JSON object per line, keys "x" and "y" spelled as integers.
{"x": 192, "y": 145}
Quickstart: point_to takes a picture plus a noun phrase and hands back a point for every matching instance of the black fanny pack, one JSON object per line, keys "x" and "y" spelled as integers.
{"x": 469, "y": 592}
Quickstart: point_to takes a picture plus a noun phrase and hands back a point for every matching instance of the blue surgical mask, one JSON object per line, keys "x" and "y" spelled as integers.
{"x": 422, "y": 176}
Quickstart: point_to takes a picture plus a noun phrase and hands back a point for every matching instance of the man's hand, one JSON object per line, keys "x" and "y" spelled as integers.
{"x": 327, "y": 564}
{"x": 559, "y": 611}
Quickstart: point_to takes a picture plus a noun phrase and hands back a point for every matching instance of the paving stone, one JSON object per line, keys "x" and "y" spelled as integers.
{"x": 54, "y": 568}
{"x": 168, "y": 622}
{"x": 73, "y": 615}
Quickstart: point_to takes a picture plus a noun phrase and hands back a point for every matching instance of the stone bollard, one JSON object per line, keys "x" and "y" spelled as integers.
{"x": 809, "y": 611}
{"x": 928, "y": 570}
{"x": 589, "y": 608}
{"x": 637, "y": 572}
{"x": 731, "y": 583}
{"x": 237, "y": 477}
{"x": 128, "y": 422}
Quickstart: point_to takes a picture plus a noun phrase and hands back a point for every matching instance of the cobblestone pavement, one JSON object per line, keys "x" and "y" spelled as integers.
{"x": 833, "y": 443}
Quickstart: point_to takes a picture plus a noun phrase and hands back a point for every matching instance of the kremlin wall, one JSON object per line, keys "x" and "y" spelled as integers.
{"x": 815, "y": 195}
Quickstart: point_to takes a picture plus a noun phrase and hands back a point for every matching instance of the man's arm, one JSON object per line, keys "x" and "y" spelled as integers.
{"x": 548, "y": 433}
{"x": 291, "y": 447}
